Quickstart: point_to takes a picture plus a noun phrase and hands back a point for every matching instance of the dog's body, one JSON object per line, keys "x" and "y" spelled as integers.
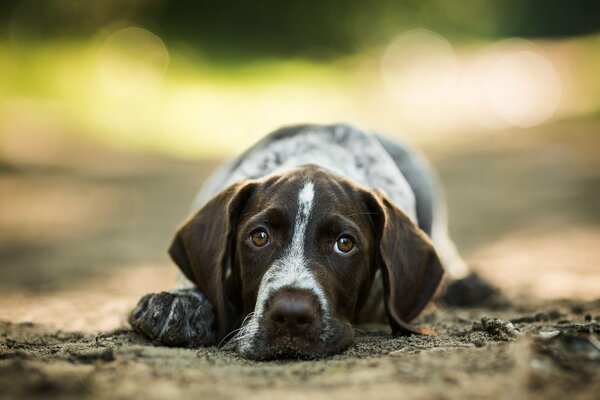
{"x": 312, "y": 229}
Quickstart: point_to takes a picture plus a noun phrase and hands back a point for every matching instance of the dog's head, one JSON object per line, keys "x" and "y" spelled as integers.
{"x": 293, "y": 256}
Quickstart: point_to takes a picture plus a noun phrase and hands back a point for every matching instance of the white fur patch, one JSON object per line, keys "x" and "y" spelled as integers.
{"x": 291, "y": 270}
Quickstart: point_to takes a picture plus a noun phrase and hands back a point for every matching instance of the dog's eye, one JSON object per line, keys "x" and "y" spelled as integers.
{"x": 259, "y": 237}
{"x": 344, "y": 244}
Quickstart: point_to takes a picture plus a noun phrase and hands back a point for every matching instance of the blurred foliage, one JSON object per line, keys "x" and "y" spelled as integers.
{"x": 298, "y": 27}
{"x": 200, "y": 78}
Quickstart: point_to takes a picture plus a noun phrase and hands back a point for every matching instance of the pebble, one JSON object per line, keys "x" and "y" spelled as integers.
{"x": 548, "y": 334}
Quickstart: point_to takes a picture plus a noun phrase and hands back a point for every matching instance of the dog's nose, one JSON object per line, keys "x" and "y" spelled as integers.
{"x": 293, "y": 312}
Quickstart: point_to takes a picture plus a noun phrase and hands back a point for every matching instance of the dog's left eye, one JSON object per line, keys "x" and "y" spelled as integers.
{"x": 344, "y": 244}
{"x": 259, "y": 237}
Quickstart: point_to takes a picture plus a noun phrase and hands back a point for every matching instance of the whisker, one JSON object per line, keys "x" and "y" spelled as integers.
{"x": 361, "y": 213}
{"x": 233, "y": 332}
{"x": 250, "y": 315}
{"x": 240, "y": 337}
{"x": 235, "y": 335}
{"x": 360, "y": 331}
{"x": 250, "y": 214}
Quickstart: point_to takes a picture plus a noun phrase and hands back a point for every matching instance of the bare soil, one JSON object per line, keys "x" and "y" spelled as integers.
{"x": 551, "y": 350}
{"x": 83, "y": 233}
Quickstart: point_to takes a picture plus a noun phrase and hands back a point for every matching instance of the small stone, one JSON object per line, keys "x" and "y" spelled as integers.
{"x": 541, "y": 317}
{"x": 577, "y": 309}
{"x": 398, "y": 353}
{"x": 499, "y": 327}
{"x": 548, "y": 334}
{"x": 555, "y": 314}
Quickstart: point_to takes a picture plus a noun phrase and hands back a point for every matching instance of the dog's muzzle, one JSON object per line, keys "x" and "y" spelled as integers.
{"x": 292, "y": 321}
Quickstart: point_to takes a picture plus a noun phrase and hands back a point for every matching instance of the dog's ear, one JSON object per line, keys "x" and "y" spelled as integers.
{"x": 203, "y": 248}
{"x": 410, "y": 267}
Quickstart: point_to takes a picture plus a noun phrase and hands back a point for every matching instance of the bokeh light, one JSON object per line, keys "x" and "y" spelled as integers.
{"x": 523, "y": 87}
{"x": 131, "y": 63}
{"x": 510, "y": 83}
{"x": 419, "y": 69}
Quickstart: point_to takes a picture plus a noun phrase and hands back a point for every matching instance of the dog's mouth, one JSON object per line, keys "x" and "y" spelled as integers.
{"x": 327, "y": 338}
{"x": 290, "y": 347}
{"x": 299, "y": 344}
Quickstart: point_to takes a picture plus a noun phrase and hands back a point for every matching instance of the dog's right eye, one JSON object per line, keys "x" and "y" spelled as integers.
{"x": 259, "y": 237}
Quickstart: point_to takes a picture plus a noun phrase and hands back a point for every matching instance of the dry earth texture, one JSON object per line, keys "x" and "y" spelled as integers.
{"x": 554, "y": 353}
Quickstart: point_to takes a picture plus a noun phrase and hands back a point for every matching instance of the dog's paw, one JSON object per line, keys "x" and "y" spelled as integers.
{"x": 181, "y": 318}
{"x": 472, "y": 291}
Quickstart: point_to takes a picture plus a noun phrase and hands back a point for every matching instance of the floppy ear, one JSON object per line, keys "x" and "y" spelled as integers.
{"x": 203, "y": 250}
{"x": 410, "y": 267}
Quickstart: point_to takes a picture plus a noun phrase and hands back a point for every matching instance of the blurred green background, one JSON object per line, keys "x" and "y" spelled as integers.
{"x": 112, "y": 113}
{"x": 195, "y": 78}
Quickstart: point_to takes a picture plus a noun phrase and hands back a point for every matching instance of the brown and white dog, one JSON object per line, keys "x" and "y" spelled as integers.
{"x": 311, "y": 230}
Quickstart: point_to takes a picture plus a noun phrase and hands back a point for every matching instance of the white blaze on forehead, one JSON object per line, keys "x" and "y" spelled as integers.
{"x": 292, "y": 269}
{"x": 305, "y": 205}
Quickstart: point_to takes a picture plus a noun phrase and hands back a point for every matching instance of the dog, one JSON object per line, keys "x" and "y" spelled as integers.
{"x": 313, "y": 229}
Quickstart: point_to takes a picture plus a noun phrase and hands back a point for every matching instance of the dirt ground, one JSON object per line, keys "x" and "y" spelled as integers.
{"x": 551, "y": 351}
{"x": 83, "y": 233}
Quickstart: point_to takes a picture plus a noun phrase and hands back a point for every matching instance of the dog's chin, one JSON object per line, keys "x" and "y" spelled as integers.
{"x": 265, "y": 345}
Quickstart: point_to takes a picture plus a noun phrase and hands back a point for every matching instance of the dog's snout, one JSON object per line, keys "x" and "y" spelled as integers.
{"x": 293, "y": 312}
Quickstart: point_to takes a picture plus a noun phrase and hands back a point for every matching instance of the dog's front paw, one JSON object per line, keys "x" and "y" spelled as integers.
{"x": 182, "y": 318}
